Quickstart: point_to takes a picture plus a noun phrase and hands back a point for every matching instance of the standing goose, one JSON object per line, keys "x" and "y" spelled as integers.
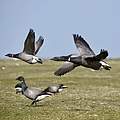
{"x": 86, "y": 58}
{"x": 32, "y": 93}
{"x": 30, "y": 49}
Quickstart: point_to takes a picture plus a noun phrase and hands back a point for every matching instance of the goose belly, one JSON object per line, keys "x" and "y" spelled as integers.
{"x": 28, "y": 58}
{"x": 41, "y": 97}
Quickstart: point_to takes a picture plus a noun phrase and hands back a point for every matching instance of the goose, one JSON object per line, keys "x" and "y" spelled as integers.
{"x": 51, "y": 89}
{"x": 55, "y": 88}
{"x": 31, "y": 48}
{"x": 86, "y": 58}
{"x": 32, "y": 93}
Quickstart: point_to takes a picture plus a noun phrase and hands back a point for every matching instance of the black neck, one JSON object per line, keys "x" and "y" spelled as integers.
{"x": 24, "y": 86}
{"x": 15, "y": 55}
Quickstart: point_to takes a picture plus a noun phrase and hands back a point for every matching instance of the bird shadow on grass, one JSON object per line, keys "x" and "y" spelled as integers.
{"x": 38, "y": 105}
{"x": 77, "y": 109}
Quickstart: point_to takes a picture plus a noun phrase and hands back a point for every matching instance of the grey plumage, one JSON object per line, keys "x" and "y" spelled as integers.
{"x": 38, "y": 44}
{"x": 30, "y": 49}
{"x": 19, "y": 88}
{"x": 86, "y": 58}
{"x": 55, "y": 88}
{"x": 32, "y": 93}
{"x": 65, "y": 68}
{"x": 82, "y": 45}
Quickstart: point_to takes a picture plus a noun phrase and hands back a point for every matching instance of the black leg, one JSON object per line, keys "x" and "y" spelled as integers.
{"x": 33, "y": 103}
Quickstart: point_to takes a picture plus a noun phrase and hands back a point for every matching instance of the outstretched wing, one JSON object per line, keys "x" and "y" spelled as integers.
{"x": 82, "y": 45}
{"x": 65, "y": 68}
{"x": 29, "y": 44}
{"x": 38, "y": 44}
{"x": 103, "y": 54}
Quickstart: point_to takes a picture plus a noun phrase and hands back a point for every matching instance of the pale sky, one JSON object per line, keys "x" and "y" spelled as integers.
{"x": 98, "y": 21}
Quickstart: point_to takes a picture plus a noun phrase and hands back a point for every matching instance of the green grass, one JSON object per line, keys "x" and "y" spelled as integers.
{"x": 89, "y": 96}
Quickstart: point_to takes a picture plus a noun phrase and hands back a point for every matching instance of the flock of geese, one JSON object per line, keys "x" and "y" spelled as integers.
{"x": 86, "y": 58}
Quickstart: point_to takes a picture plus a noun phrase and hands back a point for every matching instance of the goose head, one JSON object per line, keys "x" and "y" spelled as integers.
{"x": 61, "y": 87}
{"x": 20, "y": 78}
{"x": 22, "y": 85}
{"x": 9, "y": 55}
{"x": 12, "y": 55}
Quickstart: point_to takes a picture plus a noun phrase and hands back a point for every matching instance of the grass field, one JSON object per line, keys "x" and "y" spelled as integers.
{"x": 89, "y": 96}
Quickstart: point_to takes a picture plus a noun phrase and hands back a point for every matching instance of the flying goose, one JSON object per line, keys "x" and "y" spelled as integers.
{"x": 86, "y": 58}
{"x": 30, "y": 49}
{"x": 32, "y": 93}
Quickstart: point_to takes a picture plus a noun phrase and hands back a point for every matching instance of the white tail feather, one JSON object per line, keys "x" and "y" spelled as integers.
{"x": 104, "y": 63}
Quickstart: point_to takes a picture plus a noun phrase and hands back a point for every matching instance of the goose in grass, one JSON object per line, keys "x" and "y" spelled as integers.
{"x": 31, "y": 48}
{"x": 55, "y": 88}
{"x": 32, "y": 93}
{"x": 86, "y": 58}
